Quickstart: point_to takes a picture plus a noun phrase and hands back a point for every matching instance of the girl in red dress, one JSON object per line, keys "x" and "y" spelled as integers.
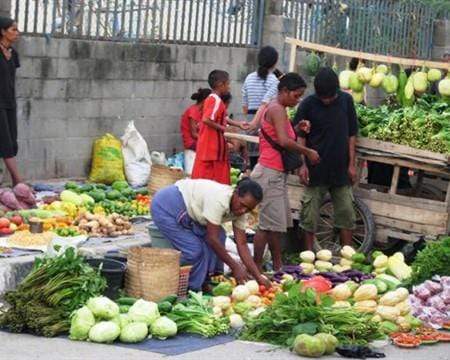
{"x": 189, "y": 126}
{"x": 211, "y": 161}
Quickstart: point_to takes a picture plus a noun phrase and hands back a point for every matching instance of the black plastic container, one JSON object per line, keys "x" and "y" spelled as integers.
{"x": 114, "y": 273}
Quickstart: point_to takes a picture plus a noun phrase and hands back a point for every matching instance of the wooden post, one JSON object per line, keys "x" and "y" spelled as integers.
{"x": 447, "y": 197}
{"x": 418, "y": 186}
{"x": 292, "y": 57}
{"x": 394, "y": 183}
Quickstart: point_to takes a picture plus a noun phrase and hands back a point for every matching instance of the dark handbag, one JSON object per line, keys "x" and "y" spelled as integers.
{"x": 291, "y": 160}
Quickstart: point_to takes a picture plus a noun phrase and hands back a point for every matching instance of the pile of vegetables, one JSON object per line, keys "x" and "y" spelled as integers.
{"x": 101, "y": 320}
{"x": 424, "y": 125}
{"x": 99, "y": 225}
{"x": 407, "y": 89}
{"x": 10, "y": 224}
{"x": 44, "y": 300}
{"x": 299, "y": 311}
{"x": 430, "y": 302}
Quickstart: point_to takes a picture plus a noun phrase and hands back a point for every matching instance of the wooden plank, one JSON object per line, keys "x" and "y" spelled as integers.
{"x": 447, "y": 197}
{"x": 404, "y": 200}
{"x": 367, "y": 56}
{"x": 397, "y": 149}
{"x": 394, "y": 182}
{"x": 292, "y": 57}
{"x": 247, "y": 138}
{"x": 384, "y": 233}
{"x": 409, "y": 226}
{"x": 405, "y": 163}
{"x": 408, "y": 213}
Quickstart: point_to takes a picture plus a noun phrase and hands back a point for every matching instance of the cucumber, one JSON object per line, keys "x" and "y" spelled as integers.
{"x": 171, "y": 299}
{"x": 126, "y": 301}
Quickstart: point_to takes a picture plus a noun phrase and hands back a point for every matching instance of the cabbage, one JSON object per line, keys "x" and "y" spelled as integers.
{"x": 103, "y": 308}
{"x": 253, "y": 287}
{"x": 240, "y": 293}
{"x": 236, "y": 321}
{"x": 364, "y": 74}
{"x": 420, "y": 82}
{"x": 307, "y": 345}
{"x": 223, "y": 302}
{"x": 444, "y": 87}
{"x": 163, "y": 328}
{"x": 355, "y": 84}
{"x": 144, "y": 311}
{"x": 71, "y": 197}
{"x": 382, "y": 69}
{"x": 134, "y": 332}
{"x": 434, "y": 75}
{"x": 344, "y": 81}
{"x": 358, "y": 97}
{"x": 81, "y": 323}
{"x": 124, "y": 320}
{"x": 390, "y": 84}
{"x": 104, "y": 332}
{"x": 87, "y": 200}
{"x": 377, "y": 80}
{"x": 329, "y": 340}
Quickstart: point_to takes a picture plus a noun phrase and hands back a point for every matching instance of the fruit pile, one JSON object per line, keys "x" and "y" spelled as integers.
{"x": 9, "y": 225}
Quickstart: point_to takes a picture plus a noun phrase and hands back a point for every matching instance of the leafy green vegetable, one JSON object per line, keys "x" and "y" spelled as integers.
{"x": 434, "y": 259}
{"x": 82, "y": 321}
{"x": 280, "y": 322}
{"x": 163, "y": 328}
{"x": 44, "y": 300}
{"x": 224, "y": 289}
{"x": 134, "y": 332}
{"x": 195, "y": 316}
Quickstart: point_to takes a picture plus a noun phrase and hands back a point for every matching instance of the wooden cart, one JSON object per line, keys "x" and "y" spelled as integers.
{"x": 385, "y": 212}
{"x": 399, "y": 214}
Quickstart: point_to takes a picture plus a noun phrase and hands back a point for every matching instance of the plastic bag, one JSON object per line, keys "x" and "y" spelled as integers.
{"x": 358, "y": 352}
{"x": 189, "y": 160}
{"x": 158, "y": 158}
{"x": 176, "y": 161}
{"x": 107, "y": 160}
{"x": 136, "y": 156}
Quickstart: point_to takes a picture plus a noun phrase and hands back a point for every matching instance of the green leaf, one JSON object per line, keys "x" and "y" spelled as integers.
{"x": 309, "y": 328}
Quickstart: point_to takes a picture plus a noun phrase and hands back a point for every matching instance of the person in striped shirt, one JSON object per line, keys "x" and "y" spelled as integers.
{"x": 259, "y": 88}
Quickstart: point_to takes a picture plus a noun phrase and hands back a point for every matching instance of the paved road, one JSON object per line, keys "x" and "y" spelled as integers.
{"x": 27, "y": 347}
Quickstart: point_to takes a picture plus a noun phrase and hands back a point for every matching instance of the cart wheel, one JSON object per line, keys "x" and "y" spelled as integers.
{"x": 432, "y": 192}
{"x": 327, "y": 236}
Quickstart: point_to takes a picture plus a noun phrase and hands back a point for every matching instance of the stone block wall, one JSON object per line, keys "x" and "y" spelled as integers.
{"x": 72, "y": 91}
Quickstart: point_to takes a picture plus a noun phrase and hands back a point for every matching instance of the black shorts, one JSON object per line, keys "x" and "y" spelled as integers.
{"x": 8, "y": 133}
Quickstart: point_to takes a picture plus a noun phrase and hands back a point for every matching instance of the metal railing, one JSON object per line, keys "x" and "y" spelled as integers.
{"x": 218, "y": 22}
{"x": 397, "y": 28}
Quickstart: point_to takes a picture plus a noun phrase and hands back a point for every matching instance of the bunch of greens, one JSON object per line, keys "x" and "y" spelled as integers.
{"x": 425, "y": 125}
{"x": 196, "y": 317}
{"x": 434, "y": 259}
{"x": 44, "y": 300}
{"x": 305, "y": 312}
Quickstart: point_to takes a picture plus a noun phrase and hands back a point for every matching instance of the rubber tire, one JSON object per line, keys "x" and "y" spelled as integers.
{"x": 365, "y": 213}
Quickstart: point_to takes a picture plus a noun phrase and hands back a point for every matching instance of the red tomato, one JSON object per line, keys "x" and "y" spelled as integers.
{"x": 6, "y": 231}
{"x": 4, "y": 223}
{"x": 17, "y": 219}
{"x": 262, "y": 289}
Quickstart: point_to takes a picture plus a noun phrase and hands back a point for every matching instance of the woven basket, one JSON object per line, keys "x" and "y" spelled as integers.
{"x": 183, "y": 285}
{"x": 163, "y": 176}
{"x": 152, "y": 274}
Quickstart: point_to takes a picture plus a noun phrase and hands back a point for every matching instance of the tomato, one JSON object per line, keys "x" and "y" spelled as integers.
{"x": 16, "y": 219}
{"x": 4, "y": 223}
{"x": 262, "y": 289}
{"x": 6, "y": 231}
{"x": 443, "y": 336}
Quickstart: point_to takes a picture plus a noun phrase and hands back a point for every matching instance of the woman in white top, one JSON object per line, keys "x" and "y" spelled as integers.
{"x": 258, "y": 89}
{"x": 190, "y": 213}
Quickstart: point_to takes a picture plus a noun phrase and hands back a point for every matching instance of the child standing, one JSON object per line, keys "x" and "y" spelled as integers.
{"x": 211, "y": 161}
{"x": 189, "y": 126}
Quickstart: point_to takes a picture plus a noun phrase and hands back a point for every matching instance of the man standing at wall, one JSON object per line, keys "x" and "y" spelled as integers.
{"x": 333, "y": 135}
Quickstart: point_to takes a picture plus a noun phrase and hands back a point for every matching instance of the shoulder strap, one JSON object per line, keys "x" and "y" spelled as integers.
{"x": 272, "y": 143}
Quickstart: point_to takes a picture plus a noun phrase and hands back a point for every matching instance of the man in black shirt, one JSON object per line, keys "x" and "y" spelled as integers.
{"x": 333, "y": 135}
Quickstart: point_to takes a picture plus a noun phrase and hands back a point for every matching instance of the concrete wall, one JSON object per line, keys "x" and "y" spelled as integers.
{"x": 70, "y": 92}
